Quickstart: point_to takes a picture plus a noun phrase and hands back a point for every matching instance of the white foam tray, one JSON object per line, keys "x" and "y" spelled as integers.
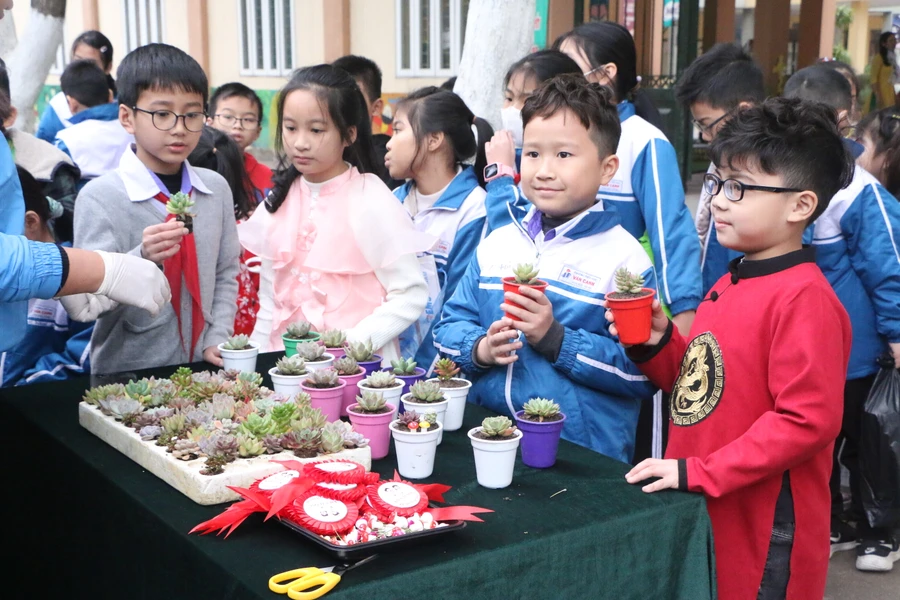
{"x": 185, "y": 476}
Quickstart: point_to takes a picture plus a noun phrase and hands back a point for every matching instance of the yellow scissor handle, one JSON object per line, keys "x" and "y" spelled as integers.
{"x": 277, "y": 582}
{"x": 325, "y": 582}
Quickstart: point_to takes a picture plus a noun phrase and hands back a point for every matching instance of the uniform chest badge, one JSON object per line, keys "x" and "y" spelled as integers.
{"x": 699, "y": 386}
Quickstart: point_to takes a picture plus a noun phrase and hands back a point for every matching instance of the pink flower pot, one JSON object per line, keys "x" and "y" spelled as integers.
{"x": 328, "y": 400}
{"x": 336, "y": 352}
{"x": 350, "y": 389}
{"x": 376, "y": 428}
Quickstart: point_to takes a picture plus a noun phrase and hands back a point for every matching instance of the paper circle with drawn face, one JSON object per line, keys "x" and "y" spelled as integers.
{"x": 278, "y": 480}
{"x": 324, "y": 509}
{"x": 338, "y": 486}
{"x": 337, "y": 467}
{"x": 399, "y": 494}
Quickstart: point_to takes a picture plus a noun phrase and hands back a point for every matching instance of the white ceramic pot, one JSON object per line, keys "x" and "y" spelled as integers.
{"x": 438, "y": 408}
{"x": 457, "y": 408}
{"x": 494, "y": 461}
{"x": 415, "y": 451}
{"x": 240, "y": 360}
{"x": 286, "y": 385}
{"x": 391, "y": 395}
{"x": 325, "y": 363}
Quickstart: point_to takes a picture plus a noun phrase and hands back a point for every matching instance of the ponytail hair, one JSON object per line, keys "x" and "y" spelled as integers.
{"x": 98, "y": 42}
{"x": 435, "y": 110}
{"x": 217, "y": 152}
{"x": 883, "y": 128}
{"x": 338, "y": 92}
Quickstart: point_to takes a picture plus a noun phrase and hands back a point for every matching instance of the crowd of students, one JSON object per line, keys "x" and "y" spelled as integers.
{"x": 773, "y": 305}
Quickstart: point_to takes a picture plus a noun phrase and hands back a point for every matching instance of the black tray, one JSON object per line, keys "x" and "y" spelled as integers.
{"x": 358, "y": 551}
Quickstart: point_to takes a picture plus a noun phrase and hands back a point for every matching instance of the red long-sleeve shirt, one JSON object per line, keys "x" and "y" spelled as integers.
{"x": 759, "y": 391}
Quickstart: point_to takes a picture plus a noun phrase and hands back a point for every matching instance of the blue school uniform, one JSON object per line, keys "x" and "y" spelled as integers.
{"x": 595, "y": 384}
{"x": 95, "y": 140}
{"x": 56, "y": 117}
{"x": 458, "y": 221}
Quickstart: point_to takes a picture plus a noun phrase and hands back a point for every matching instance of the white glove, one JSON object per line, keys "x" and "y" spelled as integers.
{"x": 87, "y": 307}
{"x": 134, "y": 281}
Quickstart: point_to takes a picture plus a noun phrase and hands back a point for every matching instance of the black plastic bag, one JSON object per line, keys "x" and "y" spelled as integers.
{"x": 879, "y": 452}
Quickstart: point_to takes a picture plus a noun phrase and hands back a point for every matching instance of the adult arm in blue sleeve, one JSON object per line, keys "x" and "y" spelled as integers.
{"x": 504, "y": 203}
{"x": 871, "y": 227}
{"x": 29, "y": 269}
{"x": 460, "y": 326}
{"x": 676, "y": 250}
{"x": 74, "y": 359}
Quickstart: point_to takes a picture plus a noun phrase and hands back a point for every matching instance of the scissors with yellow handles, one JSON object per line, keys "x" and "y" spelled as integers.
{"x": 311, "y": 582}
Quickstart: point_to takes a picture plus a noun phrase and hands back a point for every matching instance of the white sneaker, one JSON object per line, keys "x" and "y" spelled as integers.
{"x": 877, "y": 555}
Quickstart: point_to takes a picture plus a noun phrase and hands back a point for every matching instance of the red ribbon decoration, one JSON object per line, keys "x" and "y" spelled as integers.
{"x": 235, "y": 514}
{"x": 185, "y": 263}
{"x": 458, "y": 513}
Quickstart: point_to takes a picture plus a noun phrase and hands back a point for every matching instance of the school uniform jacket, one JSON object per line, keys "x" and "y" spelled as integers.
{"x": 57, "y": 116}
{"x": 458, "y": 220}
{"x": 857, "y": 240}
{"x": 595, "y": 384}
{"x": 757, "y": 391}
{"x": 95, "y": 140}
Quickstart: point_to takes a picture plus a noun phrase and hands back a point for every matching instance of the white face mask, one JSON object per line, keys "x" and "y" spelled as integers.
{"x": 511, "y": 118}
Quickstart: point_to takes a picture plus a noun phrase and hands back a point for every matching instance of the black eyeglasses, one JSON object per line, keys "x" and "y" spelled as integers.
{"x": 166, "y": 120}
{"x": 734, "y": 189}
{"x": 708, "y": 128}
{"x": 246, "y": 122}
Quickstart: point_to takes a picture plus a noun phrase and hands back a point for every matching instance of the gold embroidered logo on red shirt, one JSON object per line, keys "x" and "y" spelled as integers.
{"x": 699, "y": 385}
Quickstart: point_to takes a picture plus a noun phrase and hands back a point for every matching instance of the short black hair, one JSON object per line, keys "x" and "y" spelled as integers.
{"x": 4, "y": 79}
{"x": 820, "y": 84}
{"x": 796, "y": 140}
{"x": 230, "y": 90}
{"x": 722, "y": 77}
{"x": 98, "y": 42}
{"x": 844, "y": 69}
{"x": 84, "y": 81}
{"x": 593, "y": 104}
{"x": 159, "y": 67}
{"x": 449, "y": 84}
{"x": 364, "y": 70}
{"x": 542, "y": 65}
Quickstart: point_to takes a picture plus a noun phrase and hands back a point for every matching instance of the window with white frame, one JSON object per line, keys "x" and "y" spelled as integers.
{"x": 267, "y": 37}
{"x": 143, "y": 23}
{"x": 430, "y": 37}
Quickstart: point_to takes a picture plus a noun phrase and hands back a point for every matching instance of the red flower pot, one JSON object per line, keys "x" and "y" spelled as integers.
{"x": 633, "y": 316}
{"x": 510, "y": 285}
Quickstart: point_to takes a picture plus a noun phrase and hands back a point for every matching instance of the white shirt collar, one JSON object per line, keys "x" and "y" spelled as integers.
{"x": 139, "y": 185}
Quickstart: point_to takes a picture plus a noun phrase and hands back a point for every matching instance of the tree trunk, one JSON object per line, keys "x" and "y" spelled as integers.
{"x": 7, "y": 34}
{"x": 498, "y": 33}
{"x": 33, "y": 57}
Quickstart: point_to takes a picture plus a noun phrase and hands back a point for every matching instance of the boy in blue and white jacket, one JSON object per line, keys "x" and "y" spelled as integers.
{"x": 571, "y": 132}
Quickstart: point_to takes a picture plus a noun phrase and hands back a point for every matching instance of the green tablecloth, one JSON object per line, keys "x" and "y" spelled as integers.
{"x": 83, "y": 520}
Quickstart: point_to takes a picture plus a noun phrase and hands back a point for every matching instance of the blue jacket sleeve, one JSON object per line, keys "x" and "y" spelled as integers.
{"x": 460, "y": 325}
{"x": 871, "y": 227}
{"x": 12, "y": 203}
{"x": 28, "y": 269}
{"x": 676, "y": 250}
{"x": 62, "y": 146}
{"x": 504, "y": 203}
{"x": 74, "y": 359}
{"x": 464, "y": 245}
{"x": 599, "y": 361}
{"x": 49, "y": 125}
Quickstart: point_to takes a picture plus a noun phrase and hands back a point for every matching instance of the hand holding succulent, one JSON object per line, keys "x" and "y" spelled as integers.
{"x": 181, "y": 205}
{"x": 628, "y": 282}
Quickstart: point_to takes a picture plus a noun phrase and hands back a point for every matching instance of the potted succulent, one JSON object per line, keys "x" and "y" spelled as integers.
{"x": 371, "y": 416}
{"x": 427, "y": 396}
{"x": 180, "y": 205}
{"x": 315, "y": 356}
{"x": 541, "y": 424}
{"x": 631, "y": 305}
{"x": 287, "y": 375}
{"x": 296, "y": 333}
{"x": 406, "y": 369}
{"x": 364, "y": 354}
{"x": 523, "y": 276}
{"x": 385, "y": 383}
{"x": 495, "y": 444}
{"x": 415, "y": 441}
{"x": 239, "y": 354}
{"x": 334, "y": 340}
{"x": 350, "y": 373}
{"x": 455, "y": 390}
{"x": 326, "y": 392}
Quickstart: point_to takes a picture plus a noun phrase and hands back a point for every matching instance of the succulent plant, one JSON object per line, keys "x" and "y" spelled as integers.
{"x": 222, "y": 406}
{"x": 174, "y": 425}
{"x": 161, "y": 412}
{"x": 94, "y": 395}
{"x": 186, "y": 450}
{"x": 164, "y": 438}
{"x": 499, "y": 427}
{"x": 310, "y": 351}
{"x": 257, "y": 426}
{"x": 291, "y": 365}
{"x": 346, "y": 365}
{"x": 250, "y": 377}
{"x": 427, "y": 392}
{"x": 146, "y": 419}
{"x": 150, "y": 432}
{"x": 333, "y": 338}
{"x": 237, "y": 342}
{"x": 182, "y": 378}
{"x": 322, "y": 379}
{"x": 214, "y": 465}
{"x": 282, "y": 415}
{"x": 162, "y": 393}
{"x": 525, "y": 274}
{"x": 308, "y": 442}
{"x": 265, "y": 405}
{"x": 272, "y": 444}
{"x": 361, "y": 351}
{"x": 197, "y": 417}
{"x": 181, "y": 403}
{"x": 627, "y": 282}
{"x": 303, "y": 399}
{"x": 541, "y": 408}
{"x": 370, "y": 402}
{"x": 288, "y": 441}
{"x": 249, "y": 446}
{"x": 181, "y": 205}
{"x": 125, "y": 410}
{"x": 407, "y": 417}
{"x": 298, "y": 330}
{"x": 333, "y": 437}
{"x": 227, "y": 446}
{"x": 243, "y": 409}
{"x": 404, "y": 366}
{"x": 139, "y": 390}
{"x": 446, "y": 369}
{"x": 204, "y": 390}
{"x": 245, "y": 389}
{"x": 380, "y": 380}
{"x": 309, "y": 418}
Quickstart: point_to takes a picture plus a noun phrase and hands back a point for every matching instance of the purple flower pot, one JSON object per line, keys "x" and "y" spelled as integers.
{"x": 409, "y": 380}
{"x": 371, "y": 365}
{"x": 540, "y": 441}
